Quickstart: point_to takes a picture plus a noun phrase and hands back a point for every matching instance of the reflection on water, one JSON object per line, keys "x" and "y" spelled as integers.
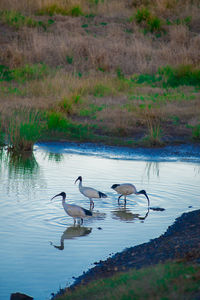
{"x": 54, "y": 157}
{"x": 22, "y": 170}
{"x": 71, "y": 233}
{"x": 152, "y": 168}
{"x": 124, "y": 214}
{"x": 27, "y": 226}
{"x": 23, "y": 163}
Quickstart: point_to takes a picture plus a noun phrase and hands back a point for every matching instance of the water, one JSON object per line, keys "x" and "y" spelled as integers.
{"x": 40, "y": 249}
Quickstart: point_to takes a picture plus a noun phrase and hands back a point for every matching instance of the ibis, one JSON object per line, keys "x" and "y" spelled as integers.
{"x": 126, "y": 189}
{"x": 89, "y": 192}
{"x": 74, "y": 211}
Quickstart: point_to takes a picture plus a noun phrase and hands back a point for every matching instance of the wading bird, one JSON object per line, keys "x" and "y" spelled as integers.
{"x": 125, "y": 189}
{"x": 89, "y": 192}
{"x": 74, "y": 211}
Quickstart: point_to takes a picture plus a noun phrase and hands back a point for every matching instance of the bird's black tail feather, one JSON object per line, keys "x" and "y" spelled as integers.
{"x": 102, "y": 195}
{"x": 87, "y": 212}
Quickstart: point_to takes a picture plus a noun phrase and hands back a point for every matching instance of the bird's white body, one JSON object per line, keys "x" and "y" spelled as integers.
{"x": 126, "y": 189}
{"x": 74, "y": 211}
{"x": 89, "y": 192}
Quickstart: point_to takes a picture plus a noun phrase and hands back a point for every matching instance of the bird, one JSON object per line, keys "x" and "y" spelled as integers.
{"x": 89, "y": 192}
{"x": 74, "y": 211}
{"x": 125, "y": 189}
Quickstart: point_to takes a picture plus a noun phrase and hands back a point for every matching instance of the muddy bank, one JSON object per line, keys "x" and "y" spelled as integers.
{"x": 180, "y": 241}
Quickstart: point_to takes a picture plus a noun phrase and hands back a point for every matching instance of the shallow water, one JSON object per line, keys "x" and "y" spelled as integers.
{"x": 40, "y": 249}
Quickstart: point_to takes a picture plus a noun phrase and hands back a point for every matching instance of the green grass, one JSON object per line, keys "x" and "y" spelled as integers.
{"x": 91, "y": 111}
{"x": 17, "y": 20}
{"x": 167, "y": 281}
{"x": 196, "y": 132}
{"x": 24, "y": 73}
{"x": 150, "y": 22}
{"x": 169, "y": 76}
{"x": 181, "y": 75}
{"x": 56, "y": 121}
{"x": 55, "y": 9}
{"x": 23, "y": 129}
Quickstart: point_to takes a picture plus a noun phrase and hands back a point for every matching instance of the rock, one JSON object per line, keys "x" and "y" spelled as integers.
{"x": 19, "y": 296}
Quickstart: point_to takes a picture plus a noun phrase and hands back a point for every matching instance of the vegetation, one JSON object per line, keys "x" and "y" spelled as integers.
{"x": 119, "y": 72}
{"x": 165, "y": 281}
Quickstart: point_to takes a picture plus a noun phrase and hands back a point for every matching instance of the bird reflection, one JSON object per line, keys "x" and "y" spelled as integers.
{"x": 71, "y": 233}
{"x": 125, "y": 214}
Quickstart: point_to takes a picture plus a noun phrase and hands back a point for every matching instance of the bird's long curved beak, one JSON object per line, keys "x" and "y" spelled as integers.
{"x": 76, "y": 180}
{"x": 147, "y": 199}
{"x": 55, "y": 196}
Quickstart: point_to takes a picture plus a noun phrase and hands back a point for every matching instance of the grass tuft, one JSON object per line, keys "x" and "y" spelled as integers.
{"x": 23, "y": 129}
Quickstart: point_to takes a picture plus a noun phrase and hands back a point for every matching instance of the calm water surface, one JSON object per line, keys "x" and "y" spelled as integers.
{"x": 40, "y": 249}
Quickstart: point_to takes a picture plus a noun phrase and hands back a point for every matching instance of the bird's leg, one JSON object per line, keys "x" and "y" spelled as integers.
{"x": 91, "y": 204}
{"x": 119, "y": 198}
{"x": 74, "y": 221}
{"x": 124, "y": 200}
{"x": 81, "y": 221}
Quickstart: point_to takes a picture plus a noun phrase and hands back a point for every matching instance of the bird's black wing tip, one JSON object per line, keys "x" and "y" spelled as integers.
{"x": 102, "y": 195}
{"x": 87, "y": 212}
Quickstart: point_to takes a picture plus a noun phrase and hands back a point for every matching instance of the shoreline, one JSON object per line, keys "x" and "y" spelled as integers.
{"x": 186, "y": 152}
{"x": 181, "y": 241}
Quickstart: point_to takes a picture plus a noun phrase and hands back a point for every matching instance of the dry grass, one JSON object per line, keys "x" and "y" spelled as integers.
{"x": 89, "y": 56}
{"x": 110, "y": 49}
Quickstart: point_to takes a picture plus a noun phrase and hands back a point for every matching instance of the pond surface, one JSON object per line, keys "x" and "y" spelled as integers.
{"x": 40, "y": 249}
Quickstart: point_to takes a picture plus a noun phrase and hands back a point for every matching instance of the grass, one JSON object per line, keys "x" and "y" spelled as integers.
{"x": 24, "y": 73}
{"x": 17, "y": 20}
{"x": 55, "y": 9}
{"x": 164, "y": 281}
{"x": 103, "y": 84}
{"x": 23, "y": 129}
{"x": 169, "y": 76}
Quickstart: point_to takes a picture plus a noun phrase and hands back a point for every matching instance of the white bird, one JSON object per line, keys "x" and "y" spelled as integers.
{"x": 89, "y": 192}
{"x": 125, "y": 189}
{"x": 74, "y": 211}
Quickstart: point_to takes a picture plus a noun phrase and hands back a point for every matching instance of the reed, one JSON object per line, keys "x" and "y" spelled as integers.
{"x": 23, "y": 129}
